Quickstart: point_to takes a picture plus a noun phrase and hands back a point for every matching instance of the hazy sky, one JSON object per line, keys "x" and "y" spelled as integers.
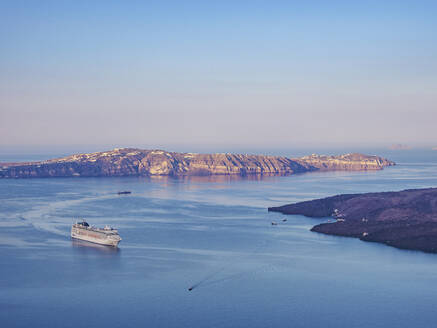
{"x": 228, "y": 73}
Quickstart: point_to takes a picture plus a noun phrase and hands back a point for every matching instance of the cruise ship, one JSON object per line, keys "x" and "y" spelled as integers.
{"x": 106, "y": 236}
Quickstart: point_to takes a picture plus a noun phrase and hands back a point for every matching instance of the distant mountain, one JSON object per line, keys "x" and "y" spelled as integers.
{"x": 404, "y": 219}
{"x": 140, "y": 162}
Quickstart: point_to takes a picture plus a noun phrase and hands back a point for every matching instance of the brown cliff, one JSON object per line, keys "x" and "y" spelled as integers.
{"x": 139, "y": 162}
{"x": 347, "y": 162}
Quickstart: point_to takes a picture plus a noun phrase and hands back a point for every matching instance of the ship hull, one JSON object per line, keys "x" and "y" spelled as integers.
{"x": 100, "y": 242}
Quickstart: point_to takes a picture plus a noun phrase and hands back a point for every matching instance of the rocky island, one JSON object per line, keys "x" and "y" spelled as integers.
{"x": 405, "y": 219}
{"x": 140, "y": 162}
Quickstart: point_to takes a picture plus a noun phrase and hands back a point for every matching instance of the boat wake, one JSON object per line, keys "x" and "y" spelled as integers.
{"x": 43, "y": 217}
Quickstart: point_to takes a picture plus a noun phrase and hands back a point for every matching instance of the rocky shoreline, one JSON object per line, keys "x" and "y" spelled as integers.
{"x": 140, "y": 162}
{"x": 405, "y": 219}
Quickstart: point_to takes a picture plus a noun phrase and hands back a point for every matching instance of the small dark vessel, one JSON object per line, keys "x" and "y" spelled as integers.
{"x": 124, "y": 192}
{"x": 274, "y": 223}
{"x": 190, "y": 289}
{"x": 284, "y": 220}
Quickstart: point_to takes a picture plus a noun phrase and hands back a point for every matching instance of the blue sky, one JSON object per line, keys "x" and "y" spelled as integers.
{"x": 229, "y": 74}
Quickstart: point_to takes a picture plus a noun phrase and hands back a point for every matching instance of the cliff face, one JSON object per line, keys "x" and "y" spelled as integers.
{"x": 138, "y": 162}
{"x": 405, "y": 219}
{"x": 347, "y": 162}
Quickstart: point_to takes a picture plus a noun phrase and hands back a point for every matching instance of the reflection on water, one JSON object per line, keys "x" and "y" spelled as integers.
{"x": 218, "y": 178}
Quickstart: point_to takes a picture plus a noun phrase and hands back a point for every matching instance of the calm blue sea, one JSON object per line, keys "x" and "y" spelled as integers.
{"x": 213, "y": 233}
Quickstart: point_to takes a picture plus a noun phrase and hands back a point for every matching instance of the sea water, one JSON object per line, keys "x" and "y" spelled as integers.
{"x": 213, "y": 234}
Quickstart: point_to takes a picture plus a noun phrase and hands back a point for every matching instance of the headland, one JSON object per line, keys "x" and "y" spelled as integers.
{"x": 405, "y": 219}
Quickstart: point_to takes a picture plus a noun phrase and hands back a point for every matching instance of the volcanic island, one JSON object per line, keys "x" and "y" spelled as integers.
{"x": 141, "y": 162}
{"x": 404, "y": 219}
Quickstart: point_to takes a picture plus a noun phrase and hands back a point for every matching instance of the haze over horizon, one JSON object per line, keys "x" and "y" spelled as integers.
{"x": 237, "y": 75}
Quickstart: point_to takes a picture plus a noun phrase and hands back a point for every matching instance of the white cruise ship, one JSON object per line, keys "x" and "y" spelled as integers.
{"x": 106, "y": 236}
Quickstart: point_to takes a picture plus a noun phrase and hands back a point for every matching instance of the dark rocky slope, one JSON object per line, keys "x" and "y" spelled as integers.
{"x": 405, "y": 219}
{"x": 139, "y": 162}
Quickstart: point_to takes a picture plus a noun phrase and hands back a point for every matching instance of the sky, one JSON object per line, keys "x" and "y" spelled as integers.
{"x": 217, "y": 74}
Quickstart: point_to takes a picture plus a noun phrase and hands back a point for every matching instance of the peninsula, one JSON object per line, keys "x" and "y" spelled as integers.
{"x": 405, "y": 219}
{"x": 140, "y": 162}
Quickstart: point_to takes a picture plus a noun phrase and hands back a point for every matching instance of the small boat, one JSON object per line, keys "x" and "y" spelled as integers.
{"x": 284, "y": 220}
{"x": 124, "y": 192}
{"x": 274, "y": 223}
